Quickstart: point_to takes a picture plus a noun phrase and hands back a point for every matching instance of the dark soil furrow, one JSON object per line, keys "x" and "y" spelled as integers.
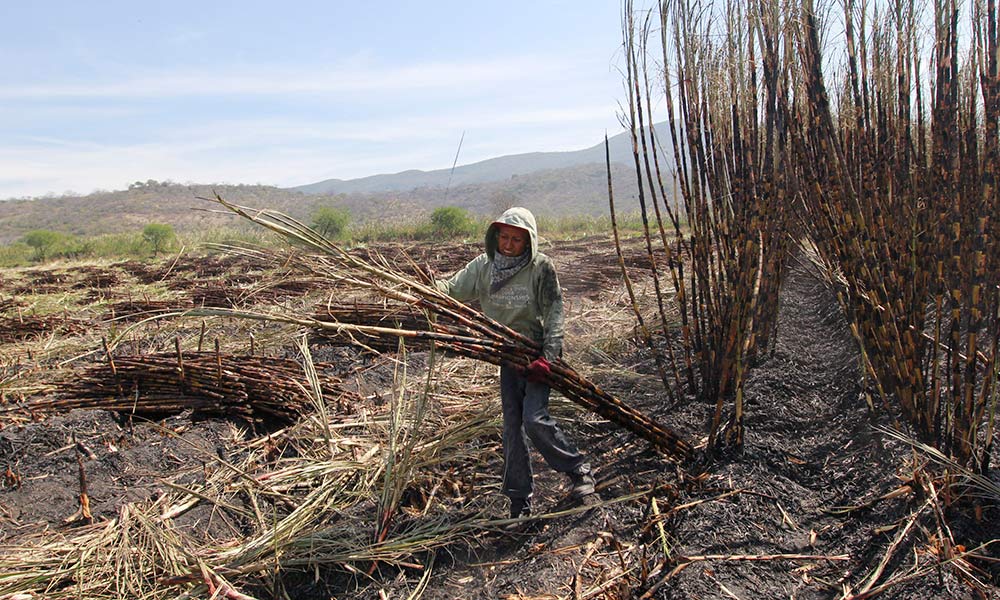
{"x": 811, "y": 449}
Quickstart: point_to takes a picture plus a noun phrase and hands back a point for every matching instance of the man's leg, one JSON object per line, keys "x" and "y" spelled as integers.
{"x": 560, "y": 453}
{"x": 516, "y": 462}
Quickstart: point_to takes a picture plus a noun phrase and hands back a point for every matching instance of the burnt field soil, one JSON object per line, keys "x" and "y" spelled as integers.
{"x": 819, "y": 503}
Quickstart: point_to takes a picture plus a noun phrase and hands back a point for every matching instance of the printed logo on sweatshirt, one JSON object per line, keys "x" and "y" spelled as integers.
{"x": 511, "y": 296}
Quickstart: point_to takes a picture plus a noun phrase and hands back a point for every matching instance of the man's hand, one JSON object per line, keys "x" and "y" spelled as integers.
{"x": 427, "y": 274}
{"x": 539, "y": 370}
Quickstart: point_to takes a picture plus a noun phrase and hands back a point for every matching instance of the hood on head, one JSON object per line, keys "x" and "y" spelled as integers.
{"x": 516, "y": 217}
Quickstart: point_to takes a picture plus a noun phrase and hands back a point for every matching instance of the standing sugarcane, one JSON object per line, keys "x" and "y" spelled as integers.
{"x": 728, "y": 154}
{"x": 905, "y": 212}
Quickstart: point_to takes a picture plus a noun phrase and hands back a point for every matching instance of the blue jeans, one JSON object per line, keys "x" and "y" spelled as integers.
{"x": 526, "y": 415}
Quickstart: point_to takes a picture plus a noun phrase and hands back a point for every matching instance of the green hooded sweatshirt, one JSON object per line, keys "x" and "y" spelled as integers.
{"x": 530, "y": 302}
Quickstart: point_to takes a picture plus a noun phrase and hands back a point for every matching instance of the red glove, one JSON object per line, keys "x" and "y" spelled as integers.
{"x": 538, "y": 370}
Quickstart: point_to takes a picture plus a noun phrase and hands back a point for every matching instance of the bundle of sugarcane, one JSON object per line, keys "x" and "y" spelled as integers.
{"x": 99, "y": 278}
{"x": 453, "y": 325}
{"x": 215, "y": 295}
{"x": 129, "y": 310}
{"x": 288, "y": 287}
{"x": 242, "y": 278}
{"x": 185, "y": 285}
{"x": 8, "y": 303}
{"x": 49, "y": 277}
{"x": 250, "y": 387}
{"x": 211, "y": 266}
{"x": 21, "y": 327}
{"x": 143, "y": 272}
{"x": 393, "y": 315}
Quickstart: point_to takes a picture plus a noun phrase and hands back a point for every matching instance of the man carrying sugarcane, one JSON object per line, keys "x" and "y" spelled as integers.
{"x": 517, "y": 286}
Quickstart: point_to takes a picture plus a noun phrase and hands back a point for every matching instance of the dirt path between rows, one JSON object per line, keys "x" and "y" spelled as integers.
{"x": 811, "y": 451}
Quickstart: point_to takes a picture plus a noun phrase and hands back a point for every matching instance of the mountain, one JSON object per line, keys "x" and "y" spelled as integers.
{"x": 132, "y": 209}
{"x": 549, "y": 183}
{"x": 494, "y": 169}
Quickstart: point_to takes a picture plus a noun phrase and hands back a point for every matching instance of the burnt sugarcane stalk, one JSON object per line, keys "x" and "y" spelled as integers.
{"x": 636, "y": 128}
{"x": 647, "y": 336}
{"x": 458, "y": 327}
{"x": 908, "y": 220}
{"x": 584, "y": 393}
{"x": 83, "y": 513}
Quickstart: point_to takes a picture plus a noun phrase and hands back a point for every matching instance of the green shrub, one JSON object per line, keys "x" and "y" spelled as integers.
{"x": 43, "y": 242}
{"x": 17, "y": 254}
{"x": 158, "y": 235}
{"x": 331, "y": 222}
{"x": 118, "y": 245}
{"x": 232, "y": 235}
{"x": 452, "y": 221}
{"x": 73, "y": 247}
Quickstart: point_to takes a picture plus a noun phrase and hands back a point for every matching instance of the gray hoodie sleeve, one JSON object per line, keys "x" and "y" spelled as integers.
{"x": 550, "y": 305}
{"x": 463, "y": 286}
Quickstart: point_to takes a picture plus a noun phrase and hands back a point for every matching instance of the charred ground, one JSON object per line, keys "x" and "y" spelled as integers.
{"x": 808, "y": 508}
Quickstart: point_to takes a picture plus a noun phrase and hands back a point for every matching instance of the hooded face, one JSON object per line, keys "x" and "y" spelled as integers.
{"x": 523, "y": 222}
{"x": 511, "y": 241}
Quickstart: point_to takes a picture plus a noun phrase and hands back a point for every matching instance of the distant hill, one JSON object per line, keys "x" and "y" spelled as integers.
{"x": 576, "y": 190}
{"x": 132, "y": 209}
{"x": 494, "y": 169}
{"x": 549, "y": 183}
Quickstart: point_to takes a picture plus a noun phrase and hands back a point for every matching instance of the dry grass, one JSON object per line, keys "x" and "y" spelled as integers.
{"x": 323, "y": 508}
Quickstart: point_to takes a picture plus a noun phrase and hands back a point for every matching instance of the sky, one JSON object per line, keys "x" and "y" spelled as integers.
{"x": 97, "y": 95}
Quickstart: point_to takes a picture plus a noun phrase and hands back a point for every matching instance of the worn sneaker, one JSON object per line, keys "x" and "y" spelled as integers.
{"x": 520, "y": 508}
{"x": 581, "y": 484}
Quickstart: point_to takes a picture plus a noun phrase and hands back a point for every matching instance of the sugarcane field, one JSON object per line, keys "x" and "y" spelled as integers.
{"x": 777, "y": 348}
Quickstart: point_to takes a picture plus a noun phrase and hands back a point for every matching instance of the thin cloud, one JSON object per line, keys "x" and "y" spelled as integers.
{"x": 385, "y": 128}
{"x": 276, "y": 81}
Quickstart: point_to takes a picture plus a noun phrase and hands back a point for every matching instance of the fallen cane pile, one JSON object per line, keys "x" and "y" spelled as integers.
{"x": 249, "y": 387}
{"x": 18, "y": 328}
{"x": 382, "y": 314}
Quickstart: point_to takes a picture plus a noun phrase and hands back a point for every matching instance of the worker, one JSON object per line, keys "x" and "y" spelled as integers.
{"x": 517, "y": 286}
